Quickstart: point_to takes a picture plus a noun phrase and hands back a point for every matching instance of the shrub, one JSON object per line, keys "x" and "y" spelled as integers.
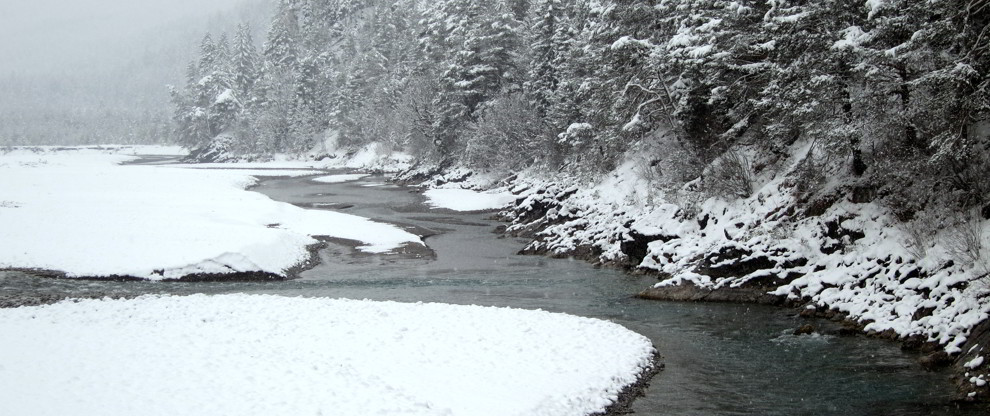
{"x": 921, "y": 232}
{"x": 966, "y": 242}
{"x": 508, "y": 135}
{"x": 729, "y": 176}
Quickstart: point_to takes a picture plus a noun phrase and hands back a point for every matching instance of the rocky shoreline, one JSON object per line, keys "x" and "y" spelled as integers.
{"x": 547, "y": 220}
{"x": 629, "y": 394}
{"x": 932, "y": 355}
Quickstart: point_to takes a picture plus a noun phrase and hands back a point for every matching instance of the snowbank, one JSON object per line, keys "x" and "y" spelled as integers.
{"x": 268, "y": 355}
{"x": 468, "y": 200}
{"x": 257, "y": 172}
{"x": 340, "y": 178}
{"x": 373, "y": 157}
{"x": 143, "y": 150}
{"x": 80, "y": 213}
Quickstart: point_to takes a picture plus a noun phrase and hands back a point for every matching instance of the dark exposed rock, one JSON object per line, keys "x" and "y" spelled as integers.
{"x": 819, "y": 206}
{"x": 848, "y": 331}
{"x": 913, "y": 343}
{"x": 922, "y": 313}
{"x": 692, "y": 293}
{"x": 863, "y": 194}
{"x": 217, "y": 150}
{"x": 703, "y": 222}
{"x": 538, "y": 209}
{"x": 841, "y": 235}
{"x": 622, "y": 405}
{"x": 977, "y": 345}
{"x": 734, "y": 262}
{"x": 806, "y": 329}
{"x": 935, "y": 361}
{"x": 636, "y": 248}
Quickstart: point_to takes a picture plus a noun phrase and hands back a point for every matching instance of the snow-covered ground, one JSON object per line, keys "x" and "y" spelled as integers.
{"x": 340, "y": 178}
{"x": 80, "y": 212}
{"x": 468, "y": 200}
{"x": 269, "y": 355}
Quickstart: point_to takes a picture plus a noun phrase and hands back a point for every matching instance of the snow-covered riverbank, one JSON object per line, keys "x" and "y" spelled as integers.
{"x": 80, "y": 212}
{"x": 272, "y": 355}
{"x": 838, "y": 256}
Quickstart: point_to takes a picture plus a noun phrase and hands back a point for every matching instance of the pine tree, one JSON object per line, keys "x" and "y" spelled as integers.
{"x": 245, "y": 58}
{"x": 544, "y": 53}
{"x": 481, "y": 65}
{"x": 281, "y": 49}
{"x": 207, "y": 54}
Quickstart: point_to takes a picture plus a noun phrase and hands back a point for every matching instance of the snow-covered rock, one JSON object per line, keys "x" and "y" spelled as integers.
{"x": 837, "y": 254}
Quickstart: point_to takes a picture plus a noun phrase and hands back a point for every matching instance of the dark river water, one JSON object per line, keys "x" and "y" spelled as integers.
{"x": 721, "y": 359}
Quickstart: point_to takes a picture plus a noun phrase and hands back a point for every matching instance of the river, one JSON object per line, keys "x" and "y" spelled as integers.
{"x": 721, "y": 359}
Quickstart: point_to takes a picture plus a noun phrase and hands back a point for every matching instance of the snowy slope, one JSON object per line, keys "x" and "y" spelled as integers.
{"x": 832, "y": 254}
{"x": 81, "y": 213}
{"x": 268, "y": 355}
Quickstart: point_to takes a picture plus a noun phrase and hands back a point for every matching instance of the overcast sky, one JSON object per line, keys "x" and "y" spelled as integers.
{"x": 55, "y": 35}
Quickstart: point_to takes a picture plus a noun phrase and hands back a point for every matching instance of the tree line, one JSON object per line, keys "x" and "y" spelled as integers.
{"x": 891, "y": 93}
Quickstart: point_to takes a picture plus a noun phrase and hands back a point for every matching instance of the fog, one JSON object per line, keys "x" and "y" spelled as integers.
{"x": 88, "y": 71}
{"x": 55, "y": 35}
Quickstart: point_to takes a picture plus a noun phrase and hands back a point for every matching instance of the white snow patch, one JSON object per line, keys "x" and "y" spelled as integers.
{"x": 853, "y": 37}
{"x": 468, "y": 200}
{"x": 628, "y": 41}
{"x": 265, "y": 172}
{"x": 80, "y": 213}
{"x": 341, "y": 178}
{"x": 227, "y": 96}
{"x": 270, "y": 355}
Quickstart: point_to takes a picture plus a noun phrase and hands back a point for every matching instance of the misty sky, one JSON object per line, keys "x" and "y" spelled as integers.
{"x": 67, "y": 35}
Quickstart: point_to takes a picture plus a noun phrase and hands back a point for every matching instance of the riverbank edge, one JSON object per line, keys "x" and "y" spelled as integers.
{"x": 932, "y": 354}
{"x": 628, "y": 395}
{"x": 16, "y": 300}
{"x": 621, "y": 406}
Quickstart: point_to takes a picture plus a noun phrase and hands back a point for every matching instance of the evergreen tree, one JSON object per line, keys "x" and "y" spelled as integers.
{"x": 245, "y": 59}
{"x": 545, "y": 53}
{"x": 281, "y": 49}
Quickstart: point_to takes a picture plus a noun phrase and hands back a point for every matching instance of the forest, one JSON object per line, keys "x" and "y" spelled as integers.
{"x": 892, "y": 95}
{"x": 826, "y": 157}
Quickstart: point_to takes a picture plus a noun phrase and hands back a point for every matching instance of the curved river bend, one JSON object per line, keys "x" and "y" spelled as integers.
{"x": 721, "y": 359}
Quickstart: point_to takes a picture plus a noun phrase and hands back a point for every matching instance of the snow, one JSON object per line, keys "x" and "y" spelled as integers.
{"x": 227, "y": 96}
{"x": 146, "y": 150}
{"x": 874, "y": 6}
{"x": 340, "y": 178}
{"x": 270, "y": 355}
{"x": 853, "y": 37}
{"x": 81, "y": 213}
{"x": 260, "y": 172}
{"x": 630, "y": 42}
{"x": 851, "y": 258}
{"x": 375, "y": 157}
{"x": 150, "y": 150}
{"x": 468, "y": 200}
